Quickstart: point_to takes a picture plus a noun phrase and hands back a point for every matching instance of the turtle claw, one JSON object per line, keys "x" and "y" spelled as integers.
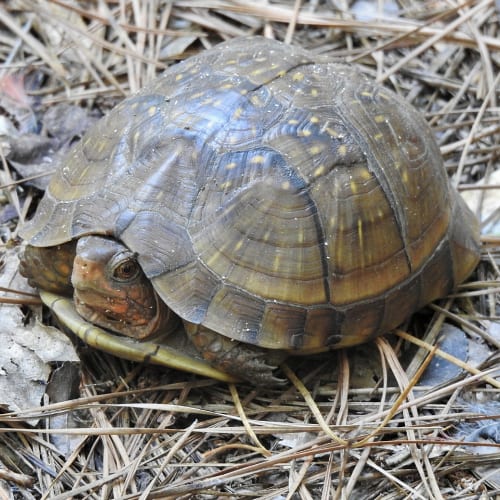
{"x": 257, "y": 370}
{"x": 268, "y": 380}
{"x": 246, "y": 362}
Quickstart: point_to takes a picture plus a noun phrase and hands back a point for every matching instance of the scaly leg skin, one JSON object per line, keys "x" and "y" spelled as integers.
{"x": 49, "y": 268}
{"x": 244, "y": 361}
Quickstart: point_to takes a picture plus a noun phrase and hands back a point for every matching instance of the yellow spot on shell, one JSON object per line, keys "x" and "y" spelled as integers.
{"x": 258, "y": 159}
{"x": 342, "y": 149}
{"x": 243, "y": 91}
{"x": 231, "y": 165}
{"x": 293, "y": 121}
{"x": 281, "y": 73}
{"x": 227, "y": 184}
{"x": 197, "y": 95}
{"x": 319, "y": 171}
{"x": 276, "y": 263}
{"x": 237, "y": 113}
{"x": 314, "y": 119}
{"x": 305, "y": 133}
{"x": 285, "y": 185}
{"x": 259, "y": 71}
{"x": 332, "y": 132}
{"x": 366, "y": 93}
{"x": 213, "y": 259}
{"x": 338, "y": 253}
{"x": 151, "y": 110}
{"x": 365, "y": 175}
{"x": 227, "y": 86}
{"x": 378, "y": 136}
{"x": 238, "y": 245}
{"x": 256, "y": 100}
{"x": 137, "y": 136}
{"x": 314, "y": 92}
{"x": 354, "y": 187}
{"x": 360, "y": 237}
{"x": 179, "y": 76}
{"x": 298, "y": 76}
{"x": 404, "y": 176}
{"x": 380, "y": 118}
{"x": 316, "y": 149}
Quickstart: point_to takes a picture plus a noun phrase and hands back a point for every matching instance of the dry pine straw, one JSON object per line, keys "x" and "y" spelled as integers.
{"x": 146, "y": 432}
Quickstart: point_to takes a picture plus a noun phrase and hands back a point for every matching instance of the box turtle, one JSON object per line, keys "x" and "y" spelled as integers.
{"x": 274, "y": 202}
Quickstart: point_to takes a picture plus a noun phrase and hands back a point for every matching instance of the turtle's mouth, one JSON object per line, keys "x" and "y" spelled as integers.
{"x": 94, "y": 311}
{"x": 121, "y": 315}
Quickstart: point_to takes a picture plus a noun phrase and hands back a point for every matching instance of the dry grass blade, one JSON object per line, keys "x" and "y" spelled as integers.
{"x": 311, "y": 403}
{"x": 38, "y": 48}
{"x": 355, "y": 424}
{"x": 246, "y": 423}
{"x": 450, "y": 28}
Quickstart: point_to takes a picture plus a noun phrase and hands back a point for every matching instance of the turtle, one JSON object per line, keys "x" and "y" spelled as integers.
{"x": 270, "y": 201}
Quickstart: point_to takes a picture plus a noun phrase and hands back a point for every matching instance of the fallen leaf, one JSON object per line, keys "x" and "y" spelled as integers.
{"x": 28, "y": 351}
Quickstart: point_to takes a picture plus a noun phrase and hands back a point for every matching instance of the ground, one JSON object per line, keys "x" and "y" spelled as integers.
{"x": 356, "y": 424}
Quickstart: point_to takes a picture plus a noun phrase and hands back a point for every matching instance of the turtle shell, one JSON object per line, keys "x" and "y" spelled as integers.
{"x": 275, "y": 199}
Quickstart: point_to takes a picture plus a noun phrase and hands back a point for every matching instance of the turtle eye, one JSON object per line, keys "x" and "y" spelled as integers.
{"x": 126, "y": 270}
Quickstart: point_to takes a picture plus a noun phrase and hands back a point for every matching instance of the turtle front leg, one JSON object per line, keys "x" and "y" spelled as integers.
{"x": 49, "y": 268}
{"x": 244, "y": 361}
